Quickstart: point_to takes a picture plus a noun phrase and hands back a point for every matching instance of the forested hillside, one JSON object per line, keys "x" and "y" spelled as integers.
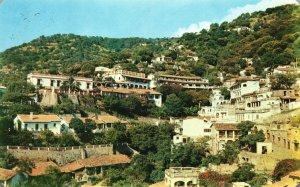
{"x": 270, "y": 37}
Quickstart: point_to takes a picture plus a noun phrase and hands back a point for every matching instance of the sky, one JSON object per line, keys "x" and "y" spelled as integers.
{"x": 24, "y": 20}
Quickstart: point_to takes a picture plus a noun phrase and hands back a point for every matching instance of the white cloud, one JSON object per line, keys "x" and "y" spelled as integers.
{"x": 193, "y": 28}
{"x": 234, "y": 13}
{"x": 262, "y": 5}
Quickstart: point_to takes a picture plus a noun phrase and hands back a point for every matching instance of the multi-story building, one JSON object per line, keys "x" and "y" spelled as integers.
{"x": 49, "y": 81}
{"x": 127, "y": 79}
{"x": 242, "y": 87}
{"x": 188, "y": 82}
{"x": 191, "y": 128}
{"x": 221, "y": 133}
{"x": 39, "y": 123}
{"x": 148, "y": 94}
{"x": 220, "y": 109}
{"x": 256, "y": 106}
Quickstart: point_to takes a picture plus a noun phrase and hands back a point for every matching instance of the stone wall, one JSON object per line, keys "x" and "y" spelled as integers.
{"x": 223, "y": 168}
{"x": 61, "y": 155}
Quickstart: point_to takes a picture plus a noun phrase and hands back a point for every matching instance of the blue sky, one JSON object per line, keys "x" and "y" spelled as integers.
{"x": 24, "y": 20}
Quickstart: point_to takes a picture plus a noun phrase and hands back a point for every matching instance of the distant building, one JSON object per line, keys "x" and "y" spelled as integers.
{"x": 188, "y": 82}
{"x": 163, "y": 59}
{"x": 40, "y": 122}
{"x": 286, "y": 70}
{"x": 49, "y": 81}
{"x": 148, "y": 94}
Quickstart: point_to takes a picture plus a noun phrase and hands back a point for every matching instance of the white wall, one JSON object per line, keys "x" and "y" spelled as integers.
{"x": 55, "y": 127}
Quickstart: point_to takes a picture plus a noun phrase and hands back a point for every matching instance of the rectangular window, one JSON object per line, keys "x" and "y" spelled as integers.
{"x": 207, "y": 130}
{"x": 54, "y": 124}
{"x": 108, "y": 125}
{"x": 36, "y": 127}
{"x": 45, "y": 126}
{"x": 26, "y": 125}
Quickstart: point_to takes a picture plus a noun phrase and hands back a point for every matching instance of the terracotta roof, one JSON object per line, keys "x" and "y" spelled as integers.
{"x": 225, "y": 126}
{"x": 106, "y": 160}
{"x": 6, "y": 174}
{"x": 102, "y": 118}
{"x": 42, "y": 118}
{"x": 181, "y": 77}
{"x": 106, "y": 119}
{"x": 129, "y": 91}
{"x": 41, "y": 167}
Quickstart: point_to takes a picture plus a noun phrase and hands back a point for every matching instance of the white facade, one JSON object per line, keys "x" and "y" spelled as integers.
{"x": 257, "y": 106}
{"x": 220, "y": 111}
{"x": 37, "y": 123}
{"x": 187, "y": 82}
{"x": 129, "y": 79}
{"x": 55, "y": 81}
{"x": 192, "y": 128}
{"x": 242, "y": 88}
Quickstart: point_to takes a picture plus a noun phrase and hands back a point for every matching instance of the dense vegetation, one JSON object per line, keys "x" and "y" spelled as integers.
{"x": 270, "y": 38}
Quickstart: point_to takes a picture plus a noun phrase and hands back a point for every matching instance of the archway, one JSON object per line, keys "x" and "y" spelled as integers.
{"x": 179, "y": 184}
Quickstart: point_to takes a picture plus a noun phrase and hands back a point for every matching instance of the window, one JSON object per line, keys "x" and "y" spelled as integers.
{"x": 54, "y": 124}
{"x": 108, "y": 125}
{"x": 36, "y": 127}
{"x": 244, "y": 85}
{"x": 207, "y": 130}
{"x": 45, "y": 126}
{"x": 26, "y": 125}
{"x": 87, "y": 85}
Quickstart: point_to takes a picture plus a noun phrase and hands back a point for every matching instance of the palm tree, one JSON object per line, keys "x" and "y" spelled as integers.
{"x": 70, "y": 85}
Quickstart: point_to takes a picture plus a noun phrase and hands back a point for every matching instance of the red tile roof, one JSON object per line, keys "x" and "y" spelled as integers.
{"x": 225, "y": 126}
{"x": 6, "y": 174}
{"x": 106, "y": 160}
{"x": 129, "y": 91}
{"x": 39, "y": 118}
{"x": 40, "y": 167}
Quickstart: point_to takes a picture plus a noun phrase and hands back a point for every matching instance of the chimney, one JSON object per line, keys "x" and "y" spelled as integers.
{"x": 31, "y": 116}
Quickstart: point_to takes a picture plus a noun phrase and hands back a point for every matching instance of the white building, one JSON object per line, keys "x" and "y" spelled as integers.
{"x": 128, "y": 79}
{"x": 39, "y": 122}
{"x": 182, "y": 176}
{"x": 163, "y": 59}
{"x": 191, "y": 128}
{"x": 243, "y": 87}
{"x": 188, "y": 82}
{"x": 220, "y": 109}
{"x": 257, "y": 106}
{"x": 55, "y": 81}
{"x": 148, "y": 94}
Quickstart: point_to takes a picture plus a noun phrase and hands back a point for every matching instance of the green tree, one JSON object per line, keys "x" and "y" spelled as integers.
{"x": 244, "y": 173}
{"x": 83, "y": 130}
{"x": 184, "y": 155}
{"x": 282, "y": 81}
{"x": 174, "y": 106}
